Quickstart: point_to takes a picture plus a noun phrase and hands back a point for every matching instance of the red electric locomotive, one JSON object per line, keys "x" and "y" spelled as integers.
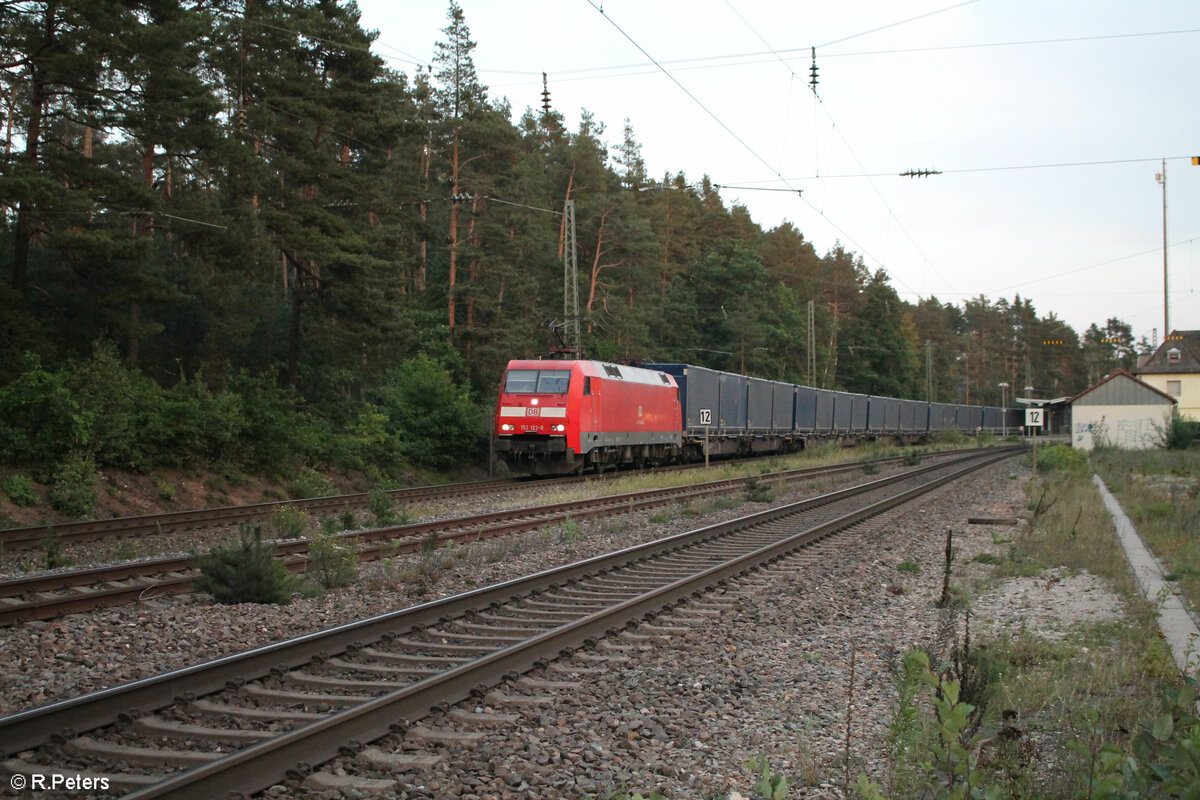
{"x": 557, "y": 417}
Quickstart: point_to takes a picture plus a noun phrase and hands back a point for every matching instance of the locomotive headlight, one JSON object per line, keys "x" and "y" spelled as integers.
{"x": 506, "y": 427}
{"x": 560, "y": 428}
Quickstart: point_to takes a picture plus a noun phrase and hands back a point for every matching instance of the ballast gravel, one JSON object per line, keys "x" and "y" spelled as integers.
{"x": 767, "y": 668}
{"x": 761, "y": 669}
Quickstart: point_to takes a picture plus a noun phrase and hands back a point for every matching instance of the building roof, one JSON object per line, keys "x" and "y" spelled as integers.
{"x": 1136, "y": 392}
{"x": 1188, "y": 345}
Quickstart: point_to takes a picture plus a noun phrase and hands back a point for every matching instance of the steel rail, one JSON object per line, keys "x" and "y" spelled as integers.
{"x": 30, "y": 536}
{"x": 258, "y": 766}
{"x": 33, "y": 727}
{"x": 381, "y": 542}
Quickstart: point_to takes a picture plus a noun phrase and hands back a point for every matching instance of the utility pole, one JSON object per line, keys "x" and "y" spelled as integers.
{"x": 572, "y": 335}
{"x": 812, "y": 343}
{"x": 928, "y": 371}
{"x": 1003, "y": 409}
{"x": 1162, "y": 179}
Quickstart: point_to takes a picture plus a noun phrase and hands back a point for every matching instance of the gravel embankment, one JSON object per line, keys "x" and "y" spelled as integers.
{"x": 765, "y": 671}
{"x": 46, "y": 661}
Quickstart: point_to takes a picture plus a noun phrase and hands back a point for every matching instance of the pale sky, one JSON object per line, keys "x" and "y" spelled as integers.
{"x": 998, "y": 95}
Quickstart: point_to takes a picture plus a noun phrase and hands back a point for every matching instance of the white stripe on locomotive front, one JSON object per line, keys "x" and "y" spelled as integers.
{"x": 519, "y": 411}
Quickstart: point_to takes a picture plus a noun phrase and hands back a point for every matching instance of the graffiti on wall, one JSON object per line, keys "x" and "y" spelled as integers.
{"x": 1129, "y": 434}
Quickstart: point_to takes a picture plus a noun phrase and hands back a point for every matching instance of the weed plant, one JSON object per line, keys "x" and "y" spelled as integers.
{"x": 383, "y": 509}
{"x": 332, "y": 564}
{"x": 166, "y": 489}
{"x": 53, "y": 557}
{"x": 758, "y": 491}
{"x": 289, "y": 522}
{"x": 570, "y": 532}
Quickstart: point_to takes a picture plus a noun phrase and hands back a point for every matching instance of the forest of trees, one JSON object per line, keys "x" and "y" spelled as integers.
{"x": 231, "y": 233}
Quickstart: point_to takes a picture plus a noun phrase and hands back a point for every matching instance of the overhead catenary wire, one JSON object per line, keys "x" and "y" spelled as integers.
{"x": 742, "y": 142}
{"x": 758, "y": 57}
{"x": 821, "y": 104}
{"x": 684, "y": 89}
{"x": 1000, "y": 168}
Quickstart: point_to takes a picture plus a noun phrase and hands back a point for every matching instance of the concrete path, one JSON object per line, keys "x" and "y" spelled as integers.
{"x": 1176, "y": 624}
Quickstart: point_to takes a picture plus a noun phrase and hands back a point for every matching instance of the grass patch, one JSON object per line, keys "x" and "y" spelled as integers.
{"x": 1059, "y": 714}
{"x": 1160, "y": 490}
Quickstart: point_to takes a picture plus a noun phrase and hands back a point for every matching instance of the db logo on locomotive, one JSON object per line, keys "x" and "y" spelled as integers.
{"x": 533, "y": 411}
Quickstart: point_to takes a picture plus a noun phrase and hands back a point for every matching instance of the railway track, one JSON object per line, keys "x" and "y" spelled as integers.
{"x": 244, "y": 722}
{"x": 72, "y": 591}
{"x": 30, "y": 537}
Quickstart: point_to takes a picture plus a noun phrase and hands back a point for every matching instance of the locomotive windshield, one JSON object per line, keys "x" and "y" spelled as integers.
{"x": 537, "y": 381}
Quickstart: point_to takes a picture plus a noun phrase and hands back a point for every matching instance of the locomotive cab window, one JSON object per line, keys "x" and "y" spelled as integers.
{"x": 537, "y": 381}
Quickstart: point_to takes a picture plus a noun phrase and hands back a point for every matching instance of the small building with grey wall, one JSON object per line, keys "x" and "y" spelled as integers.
{"x": 1120, "y": 411}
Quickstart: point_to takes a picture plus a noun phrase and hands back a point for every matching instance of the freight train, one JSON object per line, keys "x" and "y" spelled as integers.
{"x": 562, "y": 416}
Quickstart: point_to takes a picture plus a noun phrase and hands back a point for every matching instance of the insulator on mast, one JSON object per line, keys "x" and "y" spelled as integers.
{"x": 545, "y": 95}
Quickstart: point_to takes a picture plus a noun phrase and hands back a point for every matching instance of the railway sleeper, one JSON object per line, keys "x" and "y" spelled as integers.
{"x": 495, "y": 719}
{"x": 445, "y": 662}
{"x": 414, "y": 672}
{"x": 209, "y": 708}
{"x": 374, "y": 758}
{"x": 308, "y": 679}
{"x": 449, "y": 736}
{"x": 501, "y": 698}
{"x": 157, "y": 726}
{"x": 328, "y": 782}
{"x": 88, "y": 747}
{"x": 261, "y": 694}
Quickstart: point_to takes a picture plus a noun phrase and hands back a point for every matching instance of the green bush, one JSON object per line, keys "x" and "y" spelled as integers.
{"x": 1179, "y": 433}
{"x": 422, "y": 415}
{"x": 40, "y": 422}
{"x": 311, "y": 484}
{"x": 19, "y": 489}
{"x": 74, "y": 489}
{"x": 245, "y": 571}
